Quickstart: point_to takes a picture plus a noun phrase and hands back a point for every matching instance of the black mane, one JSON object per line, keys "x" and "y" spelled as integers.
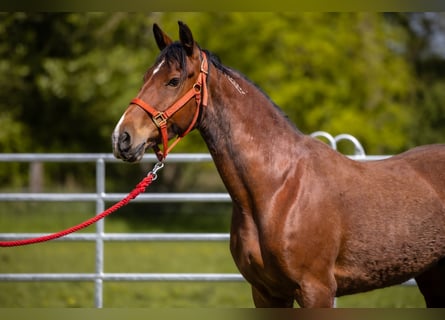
{"x": 175, "y": 53}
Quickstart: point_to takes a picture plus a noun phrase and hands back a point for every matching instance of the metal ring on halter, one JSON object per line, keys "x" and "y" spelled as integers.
{"x": 197, "y": 87}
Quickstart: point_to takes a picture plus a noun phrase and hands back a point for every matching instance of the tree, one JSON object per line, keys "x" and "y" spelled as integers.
{"x": 66, "y": 73}
{"x": 425, "y": 51}
{"x": 66, "y": 78}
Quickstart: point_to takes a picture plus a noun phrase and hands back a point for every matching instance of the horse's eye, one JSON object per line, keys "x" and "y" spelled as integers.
{"x": 174, "y": 82}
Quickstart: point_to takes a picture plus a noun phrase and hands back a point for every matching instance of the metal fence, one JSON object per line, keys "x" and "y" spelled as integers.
{"x": 99, "y": 237}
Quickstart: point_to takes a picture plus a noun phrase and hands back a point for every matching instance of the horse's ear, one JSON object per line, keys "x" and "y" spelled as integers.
{"x": 186, "y": 37}
{"x": 162, "y": 39}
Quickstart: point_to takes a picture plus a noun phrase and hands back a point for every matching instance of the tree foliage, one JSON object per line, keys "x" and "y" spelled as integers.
{"x": 65, "y": 76}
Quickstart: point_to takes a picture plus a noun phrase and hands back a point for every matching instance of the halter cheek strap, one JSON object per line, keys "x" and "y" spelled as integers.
{"x": 160, "y": 118}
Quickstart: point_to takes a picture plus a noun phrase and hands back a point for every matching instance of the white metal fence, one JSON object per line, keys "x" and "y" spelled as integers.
{"x": 100, "y": 197}
{"x": 99, "y": 237}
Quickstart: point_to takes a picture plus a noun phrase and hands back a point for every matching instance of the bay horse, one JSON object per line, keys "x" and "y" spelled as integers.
{"x": 308, "y": 223}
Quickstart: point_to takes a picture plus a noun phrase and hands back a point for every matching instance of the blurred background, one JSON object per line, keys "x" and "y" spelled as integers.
{"x": 66, "y": 78}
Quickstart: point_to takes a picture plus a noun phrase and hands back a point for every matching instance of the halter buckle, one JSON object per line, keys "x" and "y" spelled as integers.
{"x": 160, "y": 119}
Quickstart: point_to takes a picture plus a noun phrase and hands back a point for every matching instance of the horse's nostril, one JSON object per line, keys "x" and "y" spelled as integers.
{"x": 124, "y": 142}
{"x": 125, "y": 137}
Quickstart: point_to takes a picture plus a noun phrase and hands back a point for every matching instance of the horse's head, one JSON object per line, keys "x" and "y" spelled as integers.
{"x": 168, "y": 103}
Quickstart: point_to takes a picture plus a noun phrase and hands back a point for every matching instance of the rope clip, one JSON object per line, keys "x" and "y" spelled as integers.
{"x": 158, "y": 166}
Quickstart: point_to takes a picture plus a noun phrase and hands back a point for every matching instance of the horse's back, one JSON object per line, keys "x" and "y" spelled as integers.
{"x": 429, "y": 163}
{"x": 427, "y": 153}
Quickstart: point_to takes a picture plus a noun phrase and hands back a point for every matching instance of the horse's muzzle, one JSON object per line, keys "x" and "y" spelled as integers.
{"x": 123, "y": 148}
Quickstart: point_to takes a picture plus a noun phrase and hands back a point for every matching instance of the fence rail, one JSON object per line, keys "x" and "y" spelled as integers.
{"x": 99, "y": 237}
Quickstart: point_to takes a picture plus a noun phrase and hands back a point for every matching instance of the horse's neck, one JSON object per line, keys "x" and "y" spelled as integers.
{"x": 249, "y": 138}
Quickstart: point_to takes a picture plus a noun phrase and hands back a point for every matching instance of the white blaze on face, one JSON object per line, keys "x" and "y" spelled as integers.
{"x": 155, "y": 70}
{"x": 117, "y": 130}
{"x": 158, "y": 67}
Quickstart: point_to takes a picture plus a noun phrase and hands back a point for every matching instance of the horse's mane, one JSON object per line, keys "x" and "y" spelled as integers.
{"x": 176, "y": 53}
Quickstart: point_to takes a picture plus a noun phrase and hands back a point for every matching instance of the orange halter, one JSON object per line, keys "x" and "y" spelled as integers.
{"x": 160, "y": 118}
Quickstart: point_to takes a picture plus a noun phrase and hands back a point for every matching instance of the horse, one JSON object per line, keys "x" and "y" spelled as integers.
{"x": 308, "y": 223}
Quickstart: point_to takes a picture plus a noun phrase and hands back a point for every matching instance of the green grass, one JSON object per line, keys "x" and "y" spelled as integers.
{"x": 137, "y": 257}
{"x": 393, "y": 297}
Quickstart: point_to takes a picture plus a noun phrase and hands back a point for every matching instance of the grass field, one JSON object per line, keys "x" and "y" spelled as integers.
{"x": 159, "y": 257}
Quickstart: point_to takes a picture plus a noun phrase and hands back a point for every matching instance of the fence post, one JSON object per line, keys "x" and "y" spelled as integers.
{"x": 36, "y": 176}
{"x": 100, "y": 207}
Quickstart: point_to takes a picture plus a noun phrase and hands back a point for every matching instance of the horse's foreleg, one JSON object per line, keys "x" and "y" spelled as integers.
{"x": 432, "y": 285}
{"x": 262, "y": 299}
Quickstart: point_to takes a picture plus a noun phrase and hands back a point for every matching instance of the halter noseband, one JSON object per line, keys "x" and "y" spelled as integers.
{"x": 160, "y": 118}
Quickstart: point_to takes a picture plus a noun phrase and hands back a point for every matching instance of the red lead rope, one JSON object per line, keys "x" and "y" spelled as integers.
{"x": 151, "y": 176}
